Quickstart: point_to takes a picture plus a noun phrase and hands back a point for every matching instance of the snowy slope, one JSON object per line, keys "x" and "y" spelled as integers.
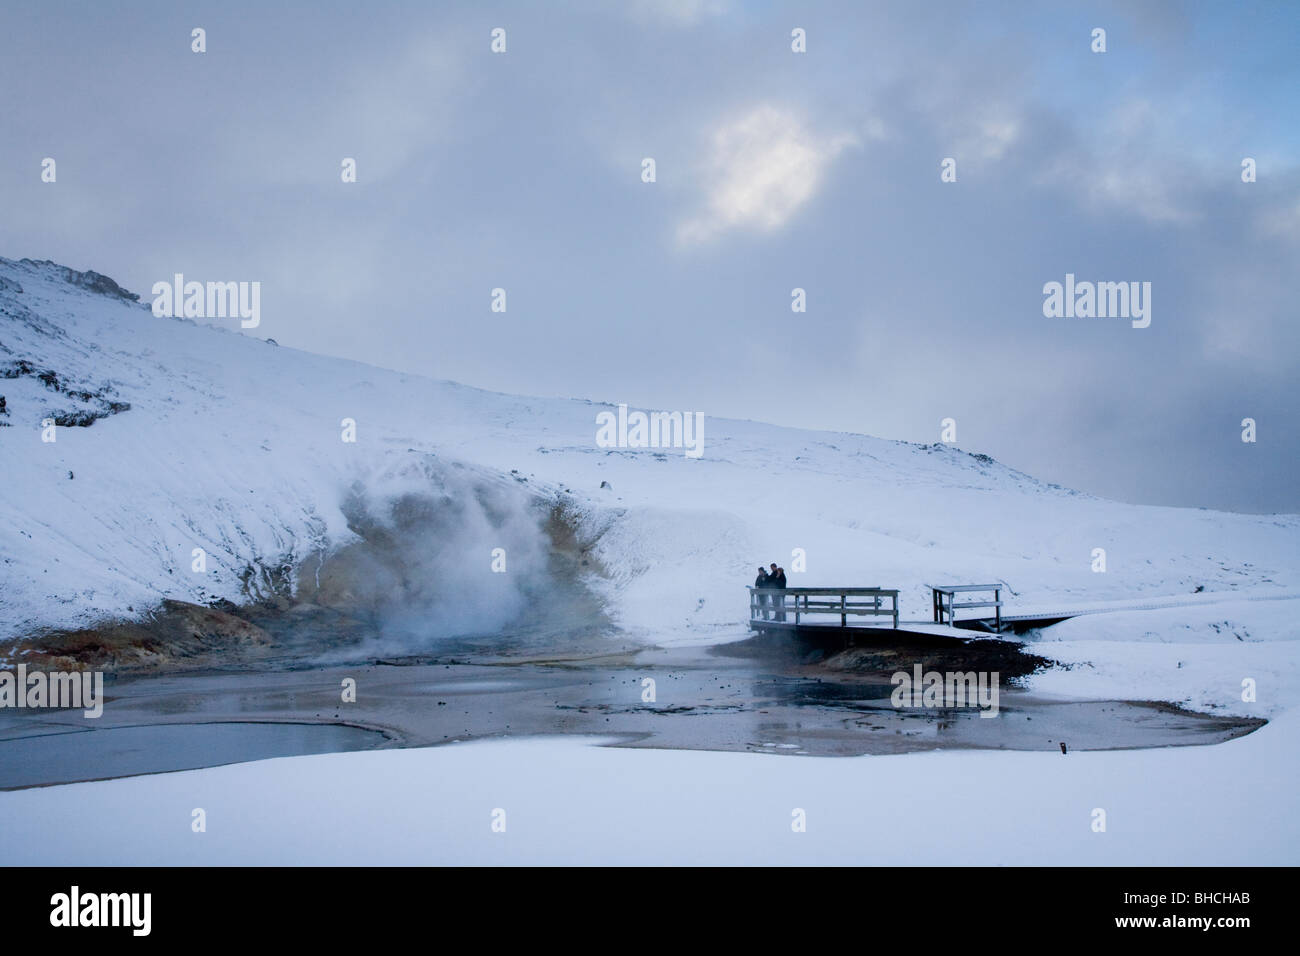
{"x": 232, "y": 444}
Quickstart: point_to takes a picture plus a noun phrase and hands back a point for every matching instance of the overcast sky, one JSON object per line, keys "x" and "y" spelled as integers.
{"x": 775, "y": 170}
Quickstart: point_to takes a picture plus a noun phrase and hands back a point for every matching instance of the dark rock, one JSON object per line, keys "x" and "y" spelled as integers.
{"x": 78, "y": 419}
{"x": 90, "y": 280}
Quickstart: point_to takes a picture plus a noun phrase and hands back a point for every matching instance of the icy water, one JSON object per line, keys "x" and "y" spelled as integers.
{"x": 66, "y": 756}
{"x": 735, "y": 698}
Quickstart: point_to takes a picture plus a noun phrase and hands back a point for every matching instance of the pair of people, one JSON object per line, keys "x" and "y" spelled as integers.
{"x": 771, "y": 580}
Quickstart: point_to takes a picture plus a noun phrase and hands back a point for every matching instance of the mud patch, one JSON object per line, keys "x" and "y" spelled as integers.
{"x": 175, "y": 636}
{"x": 884, "y": 652}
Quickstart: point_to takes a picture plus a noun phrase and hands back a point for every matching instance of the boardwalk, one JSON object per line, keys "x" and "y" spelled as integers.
{"x": 821, "y": 607}
{"x": 858, "y": 610}
{"x": 847, "y": 611}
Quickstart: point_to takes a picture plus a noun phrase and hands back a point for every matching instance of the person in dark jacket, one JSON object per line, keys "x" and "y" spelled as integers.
{"x": 776, "y": 580}
{"x": 761, "y": 582}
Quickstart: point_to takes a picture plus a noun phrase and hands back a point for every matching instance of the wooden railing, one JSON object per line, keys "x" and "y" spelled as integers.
{"x": 945, "y": 603}
{"x": 798, "y": 605}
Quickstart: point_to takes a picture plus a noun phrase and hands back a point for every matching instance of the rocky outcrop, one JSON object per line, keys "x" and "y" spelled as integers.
{"x": 89, "y": 280}
{"x": 92, "y": 403}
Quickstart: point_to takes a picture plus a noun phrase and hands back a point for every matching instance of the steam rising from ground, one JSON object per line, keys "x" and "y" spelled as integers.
{"x": 421, "y": 566}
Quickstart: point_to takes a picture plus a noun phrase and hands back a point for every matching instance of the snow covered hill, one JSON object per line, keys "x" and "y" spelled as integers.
{"x": 173, "y": 436}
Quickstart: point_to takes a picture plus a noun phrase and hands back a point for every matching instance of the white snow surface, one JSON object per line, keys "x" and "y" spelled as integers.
{"x": 567, "y": 802}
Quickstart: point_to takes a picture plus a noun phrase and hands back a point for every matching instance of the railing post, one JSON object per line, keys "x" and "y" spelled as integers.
{"x": 844, "y": 614}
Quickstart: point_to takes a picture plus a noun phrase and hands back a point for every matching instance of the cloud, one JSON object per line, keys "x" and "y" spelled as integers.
{"x": 676, "y": 12}
{"x": 1131, "y": 163}
{"x": 761, "y": 169}
{"x": 987, "y": 136}
{"x": 1281, "y": 220}
{"x": 386, "y": 110}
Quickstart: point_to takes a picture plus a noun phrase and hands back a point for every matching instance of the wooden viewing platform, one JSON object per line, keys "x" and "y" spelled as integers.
{"x": 945, "y": 603}
{"x": 847, "y": 611}
{"x": 857, "y": 610}
{"x": 779, "y": 608}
